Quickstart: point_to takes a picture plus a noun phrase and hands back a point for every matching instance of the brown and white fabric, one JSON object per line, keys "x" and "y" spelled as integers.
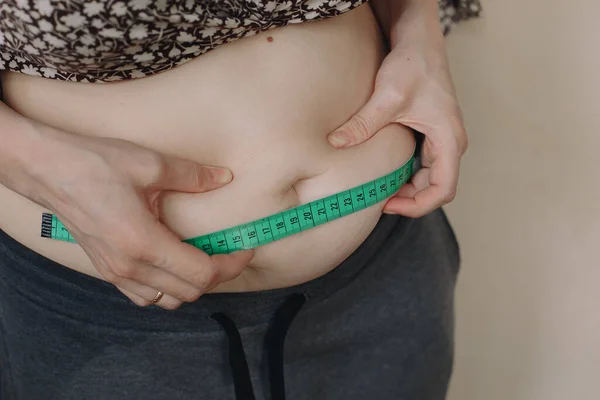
{"x": 111, "y": 40}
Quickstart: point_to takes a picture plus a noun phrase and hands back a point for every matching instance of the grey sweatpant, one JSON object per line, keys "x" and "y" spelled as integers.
{"x": 377, "y": 327}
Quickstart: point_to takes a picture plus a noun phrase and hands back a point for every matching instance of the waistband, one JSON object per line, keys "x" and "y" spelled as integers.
{"x": 74, "y": 295}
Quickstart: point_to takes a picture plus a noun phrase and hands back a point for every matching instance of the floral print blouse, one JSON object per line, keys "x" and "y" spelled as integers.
{"x": 111, "y": 40}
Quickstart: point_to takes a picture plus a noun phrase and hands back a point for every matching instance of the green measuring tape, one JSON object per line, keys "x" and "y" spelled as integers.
{"x": 283, "y": 224}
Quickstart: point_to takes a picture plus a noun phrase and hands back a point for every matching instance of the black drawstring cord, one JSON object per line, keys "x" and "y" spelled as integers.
{"x": 237, "y": 359}
{"x": 275, "y": 339}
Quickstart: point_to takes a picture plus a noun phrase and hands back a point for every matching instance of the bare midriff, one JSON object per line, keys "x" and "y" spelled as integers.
{"x": 261, "y": 106}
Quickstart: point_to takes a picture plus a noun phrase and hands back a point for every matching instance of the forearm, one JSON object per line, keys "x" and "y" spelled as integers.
{"x": 409, "y": 21}
{"x": 18, "y": 144}
{"x": 26, "y": 153}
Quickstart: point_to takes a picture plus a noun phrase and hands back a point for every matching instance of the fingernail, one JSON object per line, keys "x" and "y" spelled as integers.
{"x": 338, "y": 139}
{"x": 220, "y": 175}
{"x": 390, "y": 212}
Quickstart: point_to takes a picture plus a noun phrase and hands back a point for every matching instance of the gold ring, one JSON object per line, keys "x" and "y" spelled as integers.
{"x": 157, "y": 298}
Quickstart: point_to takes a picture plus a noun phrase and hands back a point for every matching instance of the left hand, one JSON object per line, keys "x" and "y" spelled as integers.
{"x": 414, "y": 88}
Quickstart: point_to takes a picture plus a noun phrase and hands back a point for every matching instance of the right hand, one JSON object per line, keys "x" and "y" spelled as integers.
{"x": 106, "y": 193}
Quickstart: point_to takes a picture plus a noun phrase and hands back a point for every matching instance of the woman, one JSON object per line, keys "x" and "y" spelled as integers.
{"x": 174, "y": 146}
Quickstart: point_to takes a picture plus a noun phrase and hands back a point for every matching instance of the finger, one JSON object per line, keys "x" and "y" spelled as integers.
{"x": 230, "y": 266}
{"x": 419, "y": 199}
{"x": 139, "y": 300}
{"x": 193, "y": 265}
{"x": 157, "y": 279}
{"x": 418, "y": 182}
{"x": 119, "y": 270}
{"x": 188, "y": 176}
{"x": 143, "y": 295}
{"x": 138, "y": 275}
{"x": 379, "y": 111}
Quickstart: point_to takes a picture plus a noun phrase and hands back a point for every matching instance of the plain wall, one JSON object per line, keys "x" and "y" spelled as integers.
{"x": 527, "y": 212}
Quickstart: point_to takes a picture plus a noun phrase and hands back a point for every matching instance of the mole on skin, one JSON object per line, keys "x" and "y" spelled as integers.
{"x": 270, "y": 39}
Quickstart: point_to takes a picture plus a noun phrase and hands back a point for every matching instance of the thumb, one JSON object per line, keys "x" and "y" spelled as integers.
{"x": 188, "y": 176}
{"x": 370, "y": 119}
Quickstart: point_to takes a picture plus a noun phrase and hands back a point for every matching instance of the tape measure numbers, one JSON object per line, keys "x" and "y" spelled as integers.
{"x": 280, "y": 225}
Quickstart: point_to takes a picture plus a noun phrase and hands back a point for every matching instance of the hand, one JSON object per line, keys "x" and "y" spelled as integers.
{"x": 414, "y": 88}
{"x": 106, "y": 193}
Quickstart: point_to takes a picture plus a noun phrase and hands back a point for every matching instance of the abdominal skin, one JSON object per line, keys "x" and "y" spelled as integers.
{"x": 262, "y": 108}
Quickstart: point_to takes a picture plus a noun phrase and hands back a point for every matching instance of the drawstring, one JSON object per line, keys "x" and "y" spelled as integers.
{"x": 275, "y": 339}
{"x": 237, "y": 359}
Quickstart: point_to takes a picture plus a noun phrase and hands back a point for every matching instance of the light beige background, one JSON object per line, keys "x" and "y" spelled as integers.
{"x": 528, "y": 209}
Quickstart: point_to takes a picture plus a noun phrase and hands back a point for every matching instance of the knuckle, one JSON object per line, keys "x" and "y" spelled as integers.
{"x": 239, "y": 268}
{"x": 208, "y": 275}
{"x": 111, "y": 276}
{"x": 114, "y": 269}
{"x": 123, "y": 271}
{"x": 138, "y": 249}
{"x": 142, "y": 303}
{"x": 105, "y": 264}
{"x": 462, "y": 140}
{"x": 192, "y": 296}
{"x": 450, "y": 195}
{"x": 393, "y": 97}
{"x": 460, "y": 132}
{"x": 463, "y": 144}
{"x": 144, "y": 252}
{"x": 153, "y": 166}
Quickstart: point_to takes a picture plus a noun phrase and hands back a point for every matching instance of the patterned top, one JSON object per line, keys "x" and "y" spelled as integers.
{"x": 111, "y": 40}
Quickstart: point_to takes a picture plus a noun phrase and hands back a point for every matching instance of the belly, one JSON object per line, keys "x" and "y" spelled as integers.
{"x": 262, "y": 108}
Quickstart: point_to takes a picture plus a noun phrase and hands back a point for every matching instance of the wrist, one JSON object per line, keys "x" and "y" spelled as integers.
{"x": 409, "y": 23}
